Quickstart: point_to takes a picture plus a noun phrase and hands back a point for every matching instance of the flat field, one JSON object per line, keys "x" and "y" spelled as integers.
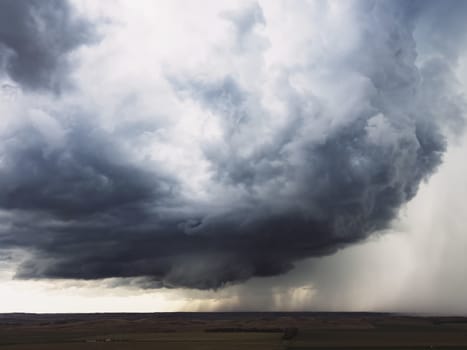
{"x": 229, "y": 331}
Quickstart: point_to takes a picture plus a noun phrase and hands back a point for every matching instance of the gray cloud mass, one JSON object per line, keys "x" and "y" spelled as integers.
{"x": 35, "y": 39}
{"x": 337, "y": 169}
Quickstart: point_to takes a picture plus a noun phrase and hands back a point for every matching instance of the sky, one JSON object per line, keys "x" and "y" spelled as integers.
{"x": 233, "y": 155}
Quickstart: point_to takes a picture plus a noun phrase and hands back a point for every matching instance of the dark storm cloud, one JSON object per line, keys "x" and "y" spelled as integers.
{"x": 86, "y": 174}
{"x": 35, "y": 39}
{"x": 84, "y": 209}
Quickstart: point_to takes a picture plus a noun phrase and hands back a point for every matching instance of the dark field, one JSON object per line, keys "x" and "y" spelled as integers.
{"x": 231, "y": 331}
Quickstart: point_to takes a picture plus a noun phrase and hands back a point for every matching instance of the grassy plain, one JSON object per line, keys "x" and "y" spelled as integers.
{"x": 230, "y": 331}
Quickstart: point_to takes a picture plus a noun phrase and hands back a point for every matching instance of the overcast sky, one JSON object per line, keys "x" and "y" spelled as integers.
{"x": 233, "y": 155}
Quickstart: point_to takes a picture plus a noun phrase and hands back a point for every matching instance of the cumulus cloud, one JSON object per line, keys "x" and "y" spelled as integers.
{"x": 287, "y": 138}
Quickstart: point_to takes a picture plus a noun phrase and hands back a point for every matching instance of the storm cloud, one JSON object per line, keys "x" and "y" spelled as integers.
{"x": 310, "y": 153}
{"x": 36, "y": 38}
